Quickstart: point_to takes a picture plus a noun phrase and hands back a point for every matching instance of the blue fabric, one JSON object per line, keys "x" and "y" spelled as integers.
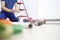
{"x": 9, "y": 4}
{"x": 11, "y": 16}
{"x": 2, "y": 15}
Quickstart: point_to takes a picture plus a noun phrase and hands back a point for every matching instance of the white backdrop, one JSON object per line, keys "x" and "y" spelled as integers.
{"x": 32, "y": 7}
{"x": 49, "y": 9}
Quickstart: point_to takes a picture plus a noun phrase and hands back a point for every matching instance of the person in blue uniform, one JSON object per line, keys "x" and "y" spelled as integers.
{"x": 8, "y": 11}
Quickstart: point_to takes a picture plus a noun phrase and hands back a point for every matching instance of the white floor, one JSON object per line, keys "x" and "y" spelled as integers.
{"x": 43, "y": 32}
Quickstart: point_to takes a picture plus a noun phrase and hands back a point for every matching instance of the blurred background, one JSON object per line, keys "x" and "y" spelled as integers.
{"x": 41, "y": 9}
{"x": 49, "y": 9}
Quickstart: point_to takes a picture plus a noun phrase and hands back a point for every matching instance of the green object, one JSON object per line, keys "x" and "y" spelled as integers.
{"x": 17, "y": 28}
{"x": 2, "y": 28}
{"x": 5, "y": 30}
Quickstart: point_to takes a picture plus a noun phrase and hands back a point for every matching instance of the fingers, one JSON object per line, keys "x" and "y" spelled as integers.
{"x": 12, "y": 10}
{"x": 17, "y": 10}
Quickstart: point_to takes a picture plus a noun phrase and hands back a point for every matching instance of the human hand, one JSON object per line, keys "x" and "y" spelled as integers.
{"x": 17, "y": 11}
{"x": 12, "y": 10}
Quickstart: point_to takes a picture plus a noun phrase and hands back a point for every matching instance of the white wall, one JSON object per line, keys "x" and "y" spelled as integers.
{"x": 49, "y": 9}
{"x": 32, "y": 7}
